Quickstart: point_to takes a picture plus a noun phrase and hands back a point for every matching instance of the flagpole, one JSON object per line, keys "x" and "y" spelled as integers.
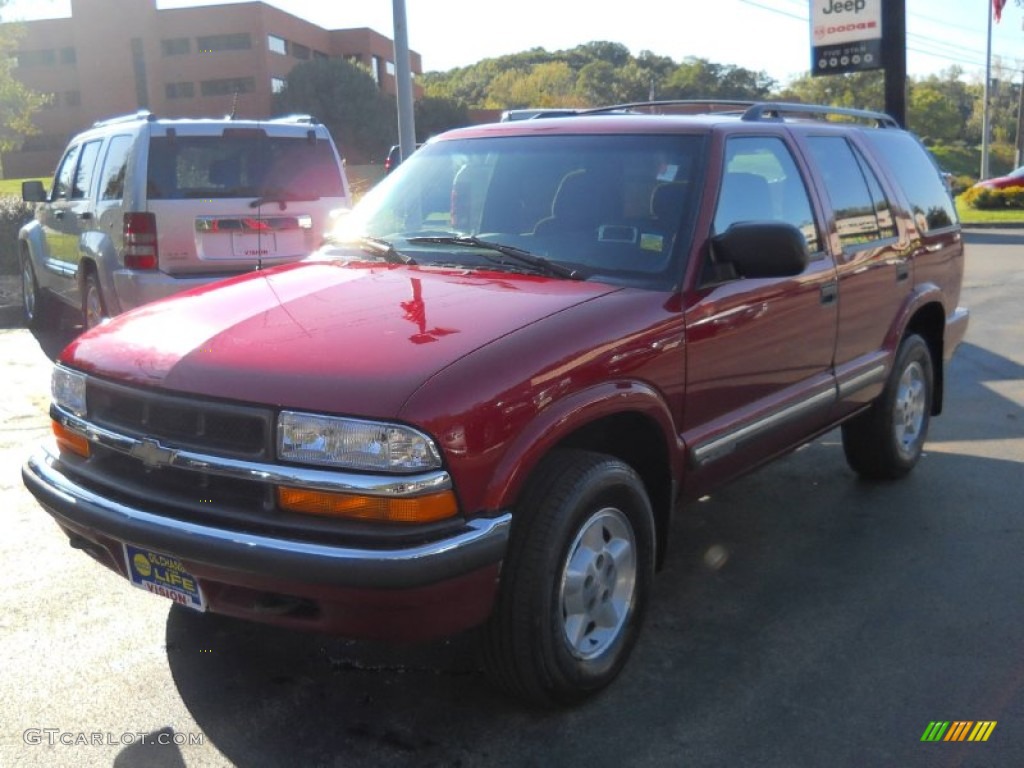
{"x": 988, "y": 79}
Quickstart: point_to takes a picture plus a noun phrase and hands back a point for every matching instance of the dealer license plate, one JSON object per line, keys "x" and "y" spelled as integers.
{"x": 165, "y": 576}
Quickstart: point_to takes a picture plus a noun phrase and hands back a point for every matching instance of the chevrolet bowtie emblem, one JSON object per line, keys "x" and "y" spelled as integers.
{"x": 152, "y": 454}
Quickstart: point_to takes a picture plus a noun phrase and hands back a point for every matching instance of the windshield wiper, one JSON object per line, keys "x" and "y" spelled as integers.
{"x": 538, "y": 263}
{"x": 280, "y": 196}
{"x": 381, "y": 248}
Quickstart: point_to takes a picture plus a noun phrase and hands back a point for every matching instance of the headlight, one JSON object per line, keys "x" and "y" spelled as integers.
{"x": 68, "y": 390}
{"x": 353, "y": 444}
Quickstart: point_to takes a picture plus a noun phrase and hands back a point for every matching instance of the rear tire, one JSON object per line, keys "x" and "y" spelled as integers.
{"x": 886, "y": 441}
{"x": 575, "y": 582}
{"x": 94, "y": 309}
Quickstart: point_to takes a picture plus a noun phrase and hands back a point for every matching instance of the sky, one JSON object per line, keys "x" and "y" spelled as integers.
{"x": 761, "y": 35}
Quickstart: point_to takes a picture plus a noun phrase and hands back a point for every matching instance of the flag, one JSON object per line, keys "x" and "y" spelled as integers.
{"x": 997, "y": 9}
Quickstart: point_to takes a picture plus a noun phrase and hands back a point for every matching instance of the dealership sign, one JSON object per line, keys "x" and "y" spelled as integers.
{"x": 846, "y": 36}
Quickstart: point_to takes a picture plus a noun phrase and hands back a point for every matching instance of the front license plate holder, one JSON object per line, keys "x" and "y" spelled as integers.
{"x": 163, "y": 575}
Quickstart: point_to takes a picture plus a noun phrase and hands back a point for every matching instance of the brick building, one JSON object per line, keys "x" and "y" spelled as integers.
{"x": 114, "y": 57}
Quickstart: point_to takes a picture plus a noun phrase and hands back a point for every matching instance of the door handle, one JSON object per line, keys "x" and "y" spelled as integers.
{"x": 85, "y": 216}
{"x": 829, "y": 292}
{"x": 902, "y": 271}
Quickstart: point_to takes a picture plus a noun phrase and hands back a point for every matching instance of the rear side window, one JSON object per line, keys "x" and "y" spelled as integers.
{"x": 914, "y": 170}
{"x": 863, "y": 214}
{"x": 242, "y": 163}
{"x": 114, "y": 167}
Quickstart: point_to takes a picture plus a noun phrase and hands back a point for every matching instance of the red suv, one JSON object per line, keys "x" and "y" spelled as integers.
{"x": 483, "y": 403}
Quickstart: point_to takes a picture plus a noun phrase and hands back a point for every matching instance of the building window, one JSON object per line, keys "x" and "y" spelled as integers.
{"x": 68, "y": 57}
{"x": 50, "y": 100}
{"x": 176, "y": 46}
{"x": 277, "y": 45}
{"x": 375, "y": 69}
{"x": 180, "y": 90}
{"x": 139, "y": 67}
{"x": 276, "y": 85}
{"x": 300, "y": 51}
{"x": 72, "y": 98}
{"x": 389, "y": 67}
{"x": 320, "y": 56}
{"x": 239, "y": 41}
{"x": 228, "y": 86}
{"x": 43, "y": 58}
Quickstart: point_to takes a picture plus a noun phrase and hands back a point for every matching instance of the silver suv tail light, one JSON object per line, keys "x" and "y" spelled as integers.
{"x": 140, "y": 248}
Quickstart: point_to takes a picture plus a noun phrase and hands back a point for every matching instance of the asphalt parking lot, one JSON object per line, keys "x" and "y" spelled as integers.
{"x": 804, "y": 618}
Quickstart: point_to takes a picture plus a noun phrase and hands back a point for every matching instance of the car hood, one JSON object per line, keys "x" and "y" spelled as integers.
{"x": 357, "y": 339}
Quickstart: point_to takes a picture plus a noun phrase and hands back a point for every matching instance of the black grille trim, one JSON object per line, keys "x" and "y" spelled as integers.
{"x": 244, "y": 432}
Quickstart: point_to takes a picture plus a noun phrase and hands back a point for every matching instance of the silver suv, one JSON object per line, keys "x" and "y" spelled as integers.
{"x": 141, "y": 208}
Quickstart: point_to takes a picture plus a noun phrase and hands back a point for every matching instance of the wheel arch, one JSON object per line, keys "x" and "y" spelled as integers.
{"x": 628, "y": 421}
{"x": 635, "y": 439}
{"x": 929, "y": 322}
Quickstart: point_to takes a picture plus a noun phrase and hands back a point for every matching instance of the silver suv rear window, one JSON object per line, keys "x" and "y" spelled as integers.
{"x": 242, "y": 163}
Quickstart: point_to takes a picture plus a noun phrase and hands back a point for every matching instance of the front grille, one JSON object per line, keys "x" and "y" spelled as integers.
{"x": 217, "y": 429}
{"x": 227, "y": 429}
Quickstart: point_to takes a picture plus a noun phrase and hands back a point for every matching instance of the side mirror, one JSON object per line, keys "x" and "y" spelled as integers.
{"x": 33, "y": 191}
{"x": 762, "y": 249}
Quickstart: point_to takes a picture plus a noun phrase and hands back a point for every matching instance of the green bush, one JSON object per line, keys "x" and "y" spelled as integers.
{"x": 956, "y": 159}
{"x": 985, "y": 199}
{"x": 13, "y": 214}
{"x": 961, "y": 183}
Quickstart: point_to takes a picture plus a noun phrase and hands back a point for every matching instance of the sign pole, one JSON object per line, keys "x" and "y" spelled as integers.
{"x": 894, "y": 47}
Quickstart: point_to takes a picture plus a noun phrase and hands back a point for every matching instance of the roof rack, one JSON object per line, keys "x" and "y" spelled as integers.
{"x": 698, "y": 106}
{"x": 750, "y": 110}
{"x": 775, "y": 111}
{"x": 297, "y": 118}
{"x": 142, "y": 114}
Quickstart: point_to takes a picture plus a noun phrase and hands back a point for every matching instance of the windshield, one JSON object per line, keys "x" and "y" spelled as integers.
{"x": 617, "y": 209}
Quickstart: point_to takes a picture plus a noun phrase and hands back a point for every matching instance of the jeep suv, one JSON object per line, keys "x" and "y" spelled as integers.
{"x": 141, "y": 208}
{"x": 484, "y": 402}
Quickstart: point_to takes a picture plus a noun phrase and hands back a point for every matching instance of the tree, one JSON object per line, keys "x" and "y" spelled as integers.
{"x": 698, "y": 78}
{"x": 861, "y": 90}
{"x": 345, "y": 98}
{"x": 435, "y": 115}
{"x": 933, "y": 114}
{"x": 17, "y": 103}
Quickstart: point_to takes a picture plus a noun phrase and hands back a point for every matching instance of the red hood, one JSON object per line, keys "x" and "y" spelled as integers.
{"x": 319, "y": 336}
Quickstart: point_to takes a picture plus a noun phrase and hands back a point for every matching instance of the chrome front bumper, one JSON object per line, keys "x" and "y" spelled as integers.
{"x": 479, "y": 543}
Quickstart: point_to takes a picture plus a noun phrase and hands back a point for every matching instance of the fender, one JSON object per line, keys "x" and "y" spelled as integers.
{"x": 97, "y": 249}
{"x": 31, "y": 234}
{"x": 555, "y": 423}
{"x": 922, "y": 295}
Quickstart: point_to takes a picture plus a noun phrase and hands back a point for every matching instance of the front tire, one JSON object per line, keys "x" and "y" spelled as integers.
{"x": 36, "y": 310}
{"x": 575, "y": 582}
{"x": 886, "y": 441}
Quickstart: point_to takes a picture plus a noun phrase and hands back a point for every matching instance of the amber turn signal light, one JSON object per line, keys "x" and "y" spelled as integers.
{"x": 70, "y": 441}
{"x": 416, "y": 509}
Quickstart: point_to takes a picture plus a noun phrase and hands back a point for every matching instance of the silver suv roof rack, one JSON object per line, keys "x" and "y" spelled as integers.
{"x": 142, "y": 114}
{"x": 748, "y": 110}
{"x": 299, "y": 119}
